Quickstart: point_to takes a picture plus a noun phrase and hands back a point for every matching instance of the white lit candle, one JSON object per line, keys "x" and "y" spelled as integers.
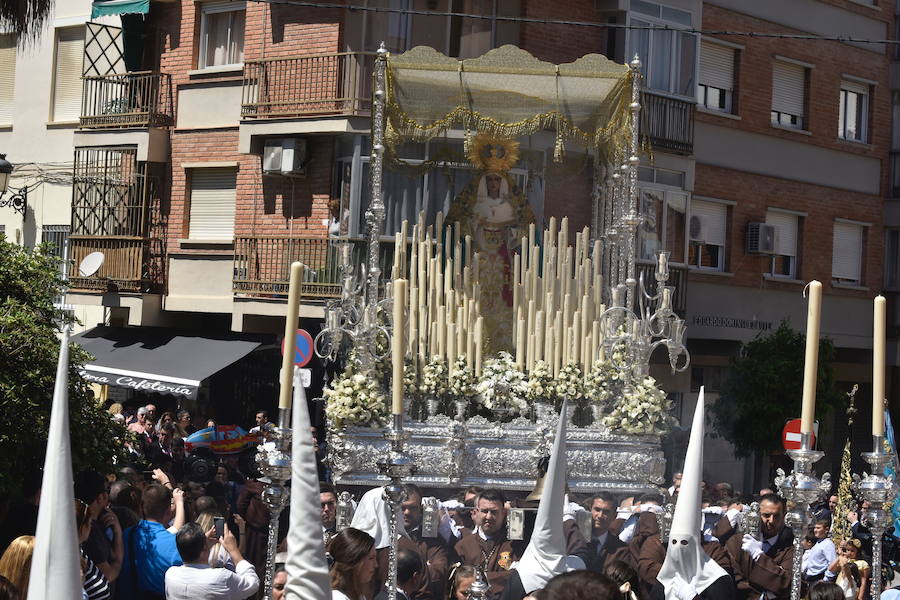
{"x": 398, "y": 346}
{"x": 879, "y": 332}
{"x": 811, "y": 365}
{"x": 290, "y": 336}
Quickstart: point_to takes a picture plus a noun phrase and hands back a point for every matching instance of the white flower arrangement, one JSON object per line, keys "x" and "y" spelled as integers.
{"x": 462, "y": 384}
{"x": 642, "y": 409}
{"x": 502, "y": 386}
{"x": 540, "y": 383}
{"x": 570, "y": 382}
{"x": 410, "y": 378}
{"x": 434, "y": 378}
{"x": 355, "y": 399}
{"x": 605, "y": 384}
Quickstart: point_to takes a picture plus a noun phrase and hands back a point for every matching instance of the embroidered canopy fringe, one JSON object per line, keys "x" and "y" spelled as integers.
{"x": 509, "y": 93}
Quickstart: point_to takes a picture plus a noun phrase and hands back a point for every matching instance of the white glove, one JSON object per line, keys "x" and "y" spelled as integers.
{"x": 732, "y": 514}
{"x": 683, "y": 590}
{"x": 571, "y": 510}
{"x": 751, "y": 546}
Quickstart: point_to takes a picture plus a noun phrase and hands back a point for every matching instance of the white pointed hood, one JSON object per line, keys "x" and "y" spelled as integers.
{"x": 55, "y": 564}
{"x": 545, "y": 557}
{"x": 685, "y": 557}
{"x": 373, "y": 515}
{"x": 307, "y": 569}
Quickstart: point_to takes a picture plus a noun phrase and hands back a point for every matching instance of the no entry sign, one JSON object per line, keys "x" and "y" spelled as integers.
{"x": 790, "y": 435}
{"x": 303, "y": 348}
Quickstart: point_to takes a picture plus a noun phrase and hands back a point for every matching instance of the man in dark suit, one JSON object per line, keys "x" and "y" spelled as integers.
{"x": 432, "y": 550}
{"x": 604, "y": 545}
{"x": 763, "y": 567}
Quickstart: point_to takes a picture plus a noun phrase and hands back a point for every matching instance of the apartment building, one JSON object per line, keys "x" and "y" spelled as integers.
{"x": 217, "y": 141}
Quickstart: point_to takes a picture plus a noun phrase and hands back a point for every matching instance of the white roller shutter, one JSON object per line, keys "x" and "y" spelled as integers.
{"x": 846, "y": 255}
{"x": 213, "y": 197}
{"x": 716, "y": 66}
{"x": 785, "y": 232}
{"x": 7, "y": 78}
{"x": 788, "y": 83}
{"x": 67, "y": 74}
{"x": 708, "y": 222}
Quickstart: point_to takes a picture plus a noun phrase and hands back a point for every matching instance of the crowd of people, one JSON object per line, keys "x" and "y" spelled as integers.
{"x": 193, "y": 525}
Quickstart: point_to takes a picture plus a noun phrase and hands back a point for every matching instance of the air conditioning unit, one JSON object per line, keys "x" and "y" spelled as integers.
{"x": 760, "y": 238}
{"x": 286, "y": 156}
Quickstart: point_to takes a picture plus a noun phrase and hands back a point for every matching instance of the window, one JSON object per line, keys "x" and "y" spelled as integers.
{"x": 212, "y": 204}
{"x": 847, "y": 253}
{"x": 892, "y": 259}
{"x": 784, "y": 259}
{"x": 67, "y": 74}
{"x": 58, "y": 238}
{"x": 664, "y": 224}
{"x": 854, "y": 111}
{"x": 462, "y": 37}
{"x": 715, "y": 90}
{"x": 7, "y": 78}
{"x": 667, "y": 56}
{"x": 706, "y": 232}
{"x": 221, "y": 34}
{"x": 789, "y": 94}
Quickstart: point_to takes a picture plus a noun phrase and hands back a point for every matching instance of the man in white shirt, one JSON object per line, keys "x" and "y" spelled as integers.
{"x": 196, "y": 579}
{"x": 817, "y": 558}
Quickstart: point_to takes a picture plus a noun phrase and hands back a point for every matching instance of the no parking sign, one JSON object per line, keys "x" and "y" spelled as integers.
{"x": 303, "y": 348}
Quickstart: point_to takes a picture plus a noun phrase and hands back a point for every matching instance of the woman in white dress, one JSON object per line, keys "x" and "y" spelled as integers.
{"x": 353, "y": 552}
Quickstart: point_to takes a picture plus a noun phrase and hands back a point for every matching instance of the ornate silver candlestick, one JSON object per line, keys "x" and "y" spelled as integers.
{"x": 274, "y": 460}
{"x": 480, "y": 587}
{"x": 397, "y": 465}
{"x": 877, "y": 489}
{"x": 801, "y": 488}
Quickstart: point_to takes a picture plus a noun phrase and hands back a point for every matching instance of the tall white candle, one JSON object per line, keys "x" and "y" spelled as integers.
{"x": 398, "y": 346}
{"x": 879, "y": 332}
{"x": 811, "y": 365}
{"x": 290, "y": 335}
{"x": 479, "y": 342}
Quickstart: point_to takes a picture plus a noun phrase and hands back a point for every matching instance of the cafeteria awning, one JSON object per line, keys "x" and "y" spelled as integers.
{"x": 101, "y": 8}
{"x": 160, "y": 360}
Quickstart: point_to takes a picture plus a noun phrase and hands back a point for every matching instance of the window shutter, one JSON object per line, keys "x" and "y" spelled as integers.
{"x": 67, "y": 75}
{"x": 785, "y": 232}
{"x": 212, "y": 204}
{"x": 788, "y": 81}
{"x": 711, "y": 217}
{"x": 716, "y": 66}
{"x": 7, "y": 78}
{"x": 852, "y": 86}
{"x": 846, "y": 255}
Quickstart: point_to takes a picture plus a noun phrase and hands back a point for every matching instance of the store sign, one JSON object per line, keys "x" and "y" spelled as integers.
{"x": 140, "y": 383}
{"x": 730, "y": 322}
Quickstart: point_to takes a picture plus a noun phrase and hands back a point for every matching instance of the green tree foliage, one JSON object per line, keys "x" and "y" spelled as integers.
{"x": 29, "y": 350}
{"x": 764, "y": 389}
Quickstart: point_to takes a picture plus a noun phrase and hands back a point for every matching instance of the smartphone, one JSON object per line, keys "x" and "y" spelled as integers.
{"x": 148, "y": 475}
{"x": 220, "y": 526}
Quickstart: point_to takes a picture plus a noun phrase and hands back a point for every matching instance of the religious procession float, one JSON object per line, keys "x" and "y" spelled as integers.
{"x": 466, "y": 346}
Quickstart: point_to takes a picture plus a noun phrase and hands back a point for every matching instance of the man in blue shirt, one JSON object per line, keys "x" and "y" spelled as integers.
{"x": 817, "y": 558}
{"x": 149, "y": 549}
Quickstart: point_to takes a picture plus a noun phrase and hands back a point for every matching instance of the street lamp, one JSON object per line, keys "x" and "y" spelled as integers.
{"x": 18, "y": 200}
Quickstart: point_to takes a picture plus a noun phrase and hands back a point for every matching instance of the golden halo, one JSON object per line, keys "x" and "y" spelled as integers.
{"x": 490, "y": 153}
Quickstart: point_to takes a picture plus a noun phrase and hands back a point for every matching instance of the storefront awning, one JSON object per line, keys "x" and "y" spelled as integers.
{"x": 101, "y": 8}
{"x": 159, "y": 360}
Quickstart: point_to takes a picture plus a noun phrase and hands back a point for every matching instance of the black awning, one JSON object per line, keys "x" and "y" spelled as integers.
{"x": 160, "y": 360}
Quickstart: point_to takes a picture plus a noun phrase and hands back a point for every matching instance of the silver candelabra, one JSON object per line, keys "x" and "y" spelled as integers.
{"x": 876, "y": 488}
{"x": 274, "y": 461}
{"x": 397, "y": 465}
{"x": 800, "y": 489}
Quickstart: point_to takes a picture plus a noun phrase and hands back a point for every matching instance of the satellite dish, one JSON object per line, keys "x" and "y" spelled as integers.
{"x": 91, "y": 263}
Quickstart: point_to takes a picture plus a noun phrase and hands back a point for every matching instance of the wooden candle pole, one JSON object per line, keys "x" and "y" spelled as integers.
{"x": 290, "y": 339}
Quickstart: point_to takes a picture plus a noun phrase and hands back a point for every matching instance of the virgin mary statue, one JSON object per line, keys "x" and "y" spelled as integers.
{"x": 492, "y": 209}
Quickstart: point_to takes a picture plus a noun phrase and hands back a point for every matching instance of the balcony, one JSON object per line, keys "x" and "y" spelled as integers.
{"x": 668, "y": 122}
{"x": 304, "y": 86}
{"x": 137, "y": 99}
{"x": 111, "y": 200}
{"x": 677, "y": 278}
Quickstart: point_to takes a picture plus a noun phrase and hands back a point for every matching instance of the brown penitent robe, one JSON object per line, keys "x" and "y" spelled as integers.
{"x": 495, "y": 556}
{"x": 771, "y": 572}
{"x": 437, "y": 564}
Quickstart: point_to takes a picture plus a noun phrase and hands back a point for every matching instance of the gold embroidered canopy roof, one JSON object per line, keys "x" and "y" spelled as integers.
{"x": 507, "y": 92}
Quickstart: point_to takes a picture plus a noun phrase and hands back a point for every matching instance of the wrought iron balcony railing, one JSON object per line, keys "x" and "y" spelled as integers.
{"x": 668, "y": 122}
{"x": 136, "y": 99}
{"x": 319, "y": 84}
